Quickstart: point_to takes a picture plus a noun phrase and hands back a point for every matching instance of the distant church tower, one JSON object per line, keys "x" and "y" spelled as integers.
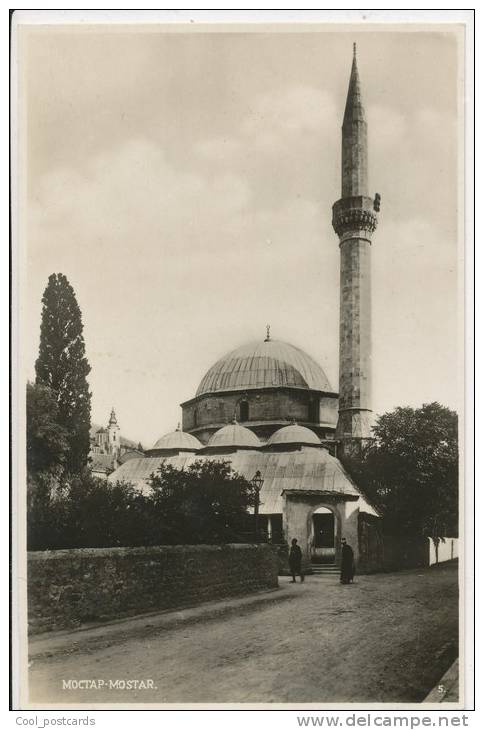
{"x": 354, "y": 220}
{"x": 113, "y": 435}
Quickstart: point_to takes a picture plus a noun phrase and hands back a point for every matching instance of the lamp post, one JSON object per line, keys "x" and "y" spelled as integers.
{"x": 257, "y": 482}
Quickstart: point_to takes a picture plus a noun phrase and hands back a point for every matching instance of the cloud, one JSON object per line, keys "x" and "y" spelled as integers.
{"x": 274, "y": 120}
{"x": 387, "y": 127}
{"x": 416, "y": 319}
{"x": 295, "y": 110}
{"x": 130, "y": 196}
{"x": 167, "y": 264}
{"x": 220, "y": 149}
{"x": 197, "y": 220}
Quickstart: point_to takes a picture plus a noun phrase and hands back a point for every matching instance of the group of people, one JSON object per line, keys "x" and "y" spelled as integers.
{"x": 347, "y": 562}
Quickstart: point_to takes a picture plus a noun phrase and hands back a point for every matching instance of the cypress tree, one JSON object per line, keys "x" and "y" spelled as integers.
{"x": 62, "y": 366}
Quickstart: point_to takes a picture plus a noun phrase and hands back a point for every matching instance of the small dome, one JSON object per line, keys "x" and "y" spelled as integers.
{"x": 178, "y": 440}
{"x": 235, "y": 436}
{"x": 294, "y": 434}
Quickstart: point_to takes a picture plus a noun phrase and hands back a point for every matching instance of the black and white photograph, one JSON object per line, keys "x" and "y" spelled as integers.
{"x": 238, "y": 303}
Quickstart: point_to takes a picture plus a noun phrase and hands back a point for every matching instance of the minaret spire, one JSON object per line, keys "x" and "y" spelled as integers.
{"x": 354, "y": 179}
{"x": 354, "y": 220}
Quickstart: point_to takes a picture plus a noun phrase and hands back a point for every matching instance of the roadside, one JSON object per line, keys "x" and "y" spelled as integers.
{"x": 104, "y": 634}
{"x": 385, "y": 638}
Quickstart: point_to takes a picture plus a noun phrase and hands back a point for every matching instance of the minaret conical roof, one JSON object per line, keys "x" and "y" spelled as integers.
{"x": 354, "y": 110}
{"x": 354, "y": 159}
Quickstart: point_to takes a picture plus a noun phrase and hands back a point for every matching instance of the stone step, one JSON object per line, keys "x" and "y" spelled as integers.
{"x": 319, "y": 570}
{"x": 325, "y": 569}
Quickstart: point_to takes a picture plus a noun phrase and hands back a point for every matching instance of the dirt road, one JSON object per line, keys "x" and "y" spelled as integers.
{"x": 386, "y": 638}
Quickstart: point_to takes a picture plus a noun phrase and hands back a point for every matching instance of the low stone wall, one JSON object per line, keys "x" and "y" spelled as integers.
{"x": 67, "y": 588}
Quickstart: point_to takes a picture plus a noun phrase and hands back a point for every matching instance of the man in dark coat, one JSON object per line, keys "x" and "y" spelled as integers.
{"x": 295, "y": 560}
{"x": 347, "y": 563}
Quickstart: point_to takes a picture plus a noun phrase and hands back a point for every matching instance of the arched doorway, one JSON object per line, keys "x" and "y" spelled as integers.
{"x": 323, "y": 529}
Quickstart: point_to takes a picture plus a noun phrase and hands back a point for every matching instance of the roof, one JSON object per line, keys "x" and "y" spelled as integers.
{"x": 132, "y": 454}
{"x": 305, "y": 470}
{"x": 102, "y": 462}
{"x": 268, "y": 364}
{"x": 178, "y": 440}
{"x": 294, "y": 434}
{"x": 234, "y": 435}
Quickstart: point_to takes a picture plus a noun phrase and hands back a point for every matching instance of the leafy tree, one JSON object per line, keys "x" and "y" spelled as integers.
{"x": 47, "y": 519}
{"x": 205, "y": 503}
{"x": 86, "y": 512}
{"x": 63, "y": 367}
{"x": 410, "y": 471}
{"x": 47, "y": 443}
{"x": 47, "y": 448}
{"x": 101, "y": 514}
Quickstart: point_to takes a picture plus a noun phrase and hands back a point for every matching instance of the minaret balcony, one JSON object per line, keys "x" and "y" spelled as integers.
{"x": 355, "y": 214}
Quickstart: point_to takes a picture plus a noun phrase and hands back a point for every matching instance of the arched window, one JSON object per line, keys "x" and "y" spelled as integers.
{"x": 243, "y": 411}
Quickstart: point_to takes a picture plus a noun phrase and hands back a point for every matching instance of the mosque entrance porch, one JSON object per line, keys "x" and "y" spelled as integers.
{"x": 317, "y": 519}
{"x": 322, "y": 537}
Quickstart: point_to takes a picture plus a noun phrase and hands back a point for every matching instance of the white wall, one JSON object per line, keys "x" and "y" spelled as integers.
{"x": 448, "y": 548}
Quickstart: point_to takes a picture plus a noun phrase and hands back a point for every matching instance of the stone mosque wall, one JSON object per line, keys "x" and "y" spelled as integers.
{"x": 281, "y": 405}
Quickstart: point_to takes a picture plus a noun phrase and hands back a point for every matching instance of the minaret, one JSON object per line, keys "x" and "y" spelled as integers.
{"x": 354, "y": 220}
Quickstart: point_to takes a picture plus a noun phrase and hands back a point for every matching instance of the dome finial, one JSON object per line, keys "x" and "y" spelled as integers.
{"x": 178, "y": 428}
{"x": 268, "y": 335}
{"x": 354, "y": 50}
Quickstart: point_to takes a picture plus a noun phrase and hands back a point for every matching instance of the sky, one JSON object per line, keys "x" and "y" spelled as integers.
{"x": 183, "y": 182}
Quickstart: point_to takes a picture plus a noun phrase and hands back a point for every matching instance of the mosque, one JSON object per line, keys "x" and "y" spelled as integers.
{"x": 269, "y": 408}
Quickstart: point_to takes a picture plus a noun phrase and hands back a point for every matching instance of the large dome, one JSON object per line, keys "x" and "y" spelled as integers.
{"x": 268, "y": 364}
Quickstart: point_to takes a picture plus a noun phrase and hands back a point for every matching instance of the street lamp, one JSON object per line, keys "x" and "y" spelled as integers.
{"x": 257, "y": 482}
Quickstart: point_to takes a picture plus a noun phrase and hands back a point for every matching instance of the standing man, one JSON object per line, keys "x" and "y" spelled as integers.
{"x": 347, "y": 563}
{"x": 295, "y": 560}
